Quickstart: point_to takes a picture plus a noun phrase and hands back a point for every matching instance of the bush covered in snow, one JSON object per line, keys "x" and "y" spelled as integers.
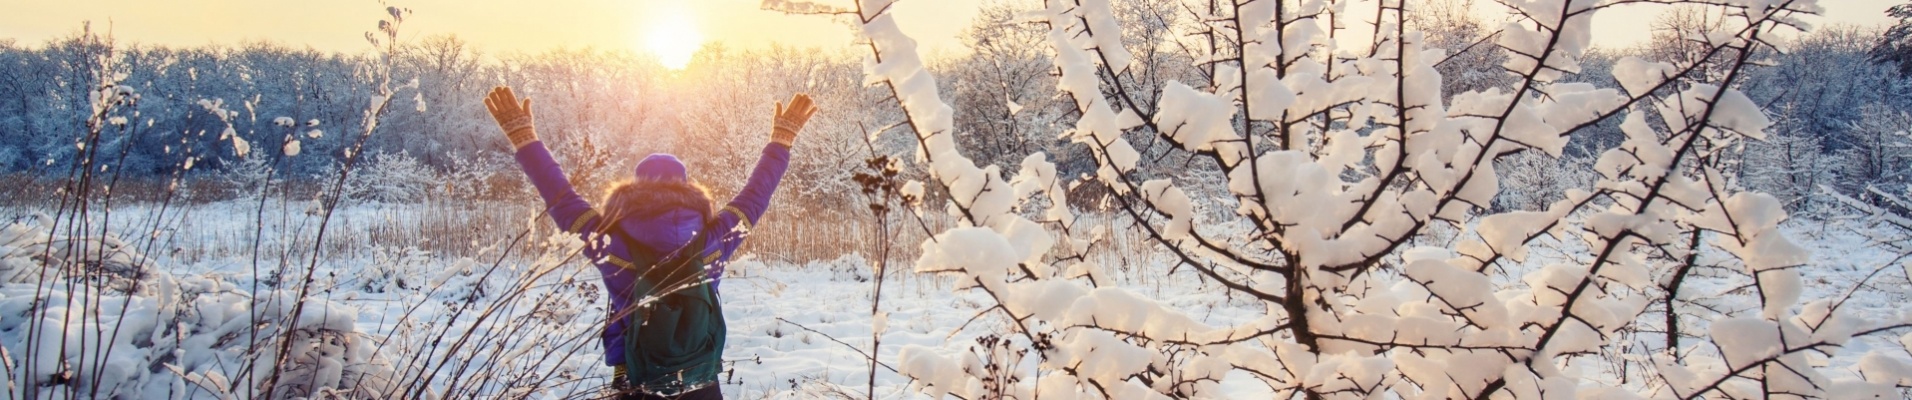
{"x": 1345, "y": 159}
{"x": 98, "y": 320}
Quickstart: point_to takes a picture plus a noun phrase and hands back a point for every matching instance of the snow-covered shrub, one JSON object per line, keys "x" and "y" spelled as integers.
{"x": 245, "y": 176}
{"x": 1532, "y": 180}
{"x": 393, "y": 269}
{"x": 1791, "y": 166}
{"x": 1885, "y": 220}
{"x": 159, "y": 335}
{"x": 392, "y": 178}
{"x": 29, "y": 254}
{"x": 1344, "y": 158}
{"x": 478, "y": 177}
{"x": 1877, "y": 150}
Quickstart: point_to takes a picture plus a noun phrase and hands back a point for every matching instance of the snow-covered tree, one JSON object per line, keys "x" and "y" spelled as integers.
{"x": 1877, "y": 149}
{"x": 1895, "y": 46}
{"x": 1791, "y": 166}
{"x": 1470, "y": 56}
{"x": 1002, "y": 89}
{"x": 1340, "y": 154}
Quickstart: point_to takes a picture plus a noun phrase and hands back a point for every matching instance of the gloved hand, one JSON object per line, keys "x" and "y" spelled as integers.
{"x": 790, "y": 120}
{"x": 513, "y": 117}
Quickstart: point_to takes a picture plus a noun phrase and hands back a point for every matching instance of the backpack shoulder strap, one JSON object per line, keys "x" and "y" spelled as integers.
{"x": 660, "y": 277}
{"x": 688, "y": 254}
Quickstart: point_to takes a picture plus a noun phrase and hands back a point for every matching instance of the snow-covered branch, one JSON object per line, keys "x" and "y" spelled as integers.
{"x": 1344, "y": 160}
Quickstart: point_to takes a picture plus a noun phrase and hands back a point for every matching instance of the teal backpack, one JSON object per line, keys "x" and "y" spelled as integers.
{"x": 677, "y": 340}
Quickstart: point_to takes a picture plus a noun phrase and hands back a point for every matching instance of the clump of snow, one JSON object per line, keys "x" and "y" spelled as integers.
{"x": 1744, "y": 341}
{"x": 1639, "y": 76}
{"x": 1172, "y": 201}
{"x": 1195, "y": 119}
{"x": 974, "y": 251}
{"x": 240, "y": 146}
{"x": 936, "y": 375}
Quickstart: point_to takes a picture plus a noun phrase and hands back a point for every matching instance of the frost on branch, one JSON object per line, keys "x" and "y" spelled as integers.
{"x": 1349, "y": 170}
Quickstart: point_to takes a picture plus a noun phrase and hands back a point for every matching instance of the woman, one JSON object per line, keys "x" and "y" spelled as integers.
{"x": 665, "y": 336}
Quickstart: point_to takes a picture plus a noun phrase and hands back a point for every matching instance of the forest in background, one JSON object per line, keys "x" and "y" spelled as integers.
{"x": 1840, "y": 117}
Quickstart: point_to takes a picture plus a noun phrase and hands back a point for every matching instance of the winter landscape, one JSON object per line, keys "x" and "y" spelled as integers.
{"x": 1054, "y": 199}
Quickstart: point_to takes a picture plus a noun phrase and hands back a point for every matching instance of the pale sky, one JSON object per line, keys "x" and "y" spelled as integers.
{"x": 521, "y": 26}
{"x": 495, "y": 25}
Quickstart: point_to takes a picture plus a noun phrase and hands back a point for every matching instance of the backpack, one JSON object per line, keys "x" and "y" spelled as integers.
{"x": 676, "y": 340}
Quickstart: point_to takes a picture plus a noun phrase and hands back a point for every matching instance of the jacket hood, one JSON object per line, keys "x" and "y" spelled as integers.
{"x": 660, "y": 215}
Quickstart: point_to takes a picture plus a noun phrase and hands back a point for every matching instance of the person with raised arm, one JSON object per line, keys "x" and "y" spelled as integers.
{"x": 661, "y": 245}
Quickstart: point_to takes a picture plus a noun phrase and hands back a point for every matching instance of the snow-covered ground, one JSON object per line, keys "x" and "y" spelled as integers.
{"x": 781, "y": 314}
{"x": 796, "y": 330}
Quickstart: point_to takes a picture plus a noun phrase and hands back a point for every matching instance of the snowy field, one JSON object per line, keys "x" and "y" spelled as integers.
{"x": 797, "y": 330}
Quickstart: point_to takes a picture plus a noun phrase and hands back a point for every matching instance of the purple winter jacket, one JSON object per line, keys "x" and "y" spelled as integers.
{"x": 664, "y": 232}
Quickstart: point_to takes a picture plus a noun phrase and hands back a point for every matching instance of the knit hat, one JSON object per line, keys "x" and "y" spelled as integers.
{"x": 663, "y": 168}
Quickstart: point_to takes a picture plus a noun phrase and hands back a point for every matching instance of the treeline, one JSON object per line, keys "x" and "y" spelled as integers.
{"x": 1840, "y": 117}
{"x": 598, "y": 110}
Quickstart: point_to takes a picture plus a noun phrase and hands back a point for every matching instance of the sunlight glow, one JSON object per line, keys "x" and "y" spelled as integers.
{"x": 673, "y": 38}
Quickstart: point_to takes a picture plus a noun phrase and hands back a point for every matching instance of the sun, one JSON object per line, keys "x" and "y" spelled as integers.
{"x": 673, "y": 38}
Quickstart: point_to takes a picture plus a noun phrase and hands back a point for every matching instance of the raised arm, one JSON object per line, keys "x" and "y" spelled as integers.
{"x": 570, "y": 211}
{"x": 748, "y": 207}
{"x": 751, "y": 202}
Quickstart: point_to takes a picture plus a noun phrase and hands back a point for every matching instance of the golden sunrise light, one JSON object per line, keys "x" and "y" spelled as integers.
{"x": 673, "y": 37}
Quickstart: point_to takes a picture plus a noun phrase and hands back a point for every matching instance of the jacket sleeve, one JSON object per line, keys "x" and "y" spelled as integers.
{"x": 737, "y": 218}
{"x": 570, "y": 211}
{"x": 754, "y": 199}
